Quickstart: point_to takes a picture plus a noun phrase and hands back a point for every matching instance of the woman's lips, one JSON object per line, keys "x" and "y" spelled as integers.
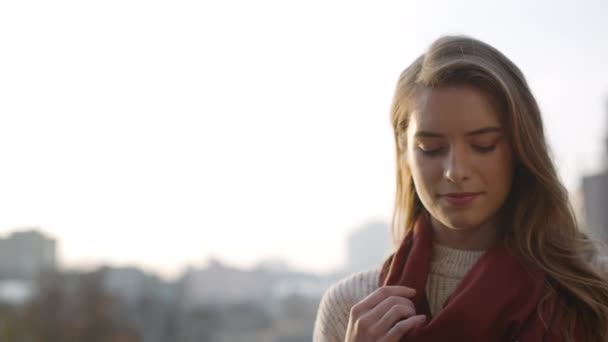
{"x": 460, "y": 198}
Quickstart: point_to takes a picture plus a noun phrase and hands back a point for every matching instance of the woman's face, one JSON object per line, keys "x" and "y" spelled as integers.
{"x": 459, "y": 156}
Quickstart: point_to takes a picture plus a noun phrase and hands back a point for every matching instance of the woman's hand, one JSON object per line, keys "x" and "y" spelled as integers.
{"x": 386, "y": 315}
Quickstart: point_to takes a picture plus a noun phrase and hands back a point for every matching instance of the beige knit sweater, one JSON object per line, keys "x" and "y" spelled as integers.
{"x": 448, "y": 267}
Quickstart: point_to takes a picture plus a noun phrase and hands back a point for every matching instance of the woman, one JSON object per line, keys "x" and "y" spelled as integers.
{"x": 488, "y": 248}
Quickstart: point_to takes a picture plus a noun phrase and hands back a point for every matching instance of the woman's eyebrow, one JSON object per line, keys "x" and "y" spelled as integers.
{"x": 428, "y": 134}
{"x": 484, "y": 130}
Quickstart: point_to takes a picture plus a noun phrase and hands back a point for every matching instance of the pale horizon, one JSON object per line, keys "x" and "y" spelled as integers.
{"x": 160, "y": 135}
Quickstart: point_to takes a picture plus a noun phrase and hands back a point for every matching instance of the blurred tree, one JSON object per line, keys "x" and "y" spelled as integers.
{"x": 73, "y": 308}
{"x": 8, "y": 323}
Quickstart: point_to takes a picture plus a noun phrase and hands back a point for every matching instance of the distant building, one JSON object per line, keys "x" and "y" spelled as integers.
{"x": 15, "y": 292}
{"x": 133, "y": 285}
{"x": 218, "y": 283}
{"x": 26, "y": 253}
{"x": 595, "y": 198}
{"x": 595, "y": 189}
{"x": 368, "y": 246}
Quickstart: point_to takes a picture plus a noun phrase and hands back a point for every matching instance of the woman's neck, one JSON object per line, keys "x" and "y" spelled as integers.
{"x": 470, "y": 238}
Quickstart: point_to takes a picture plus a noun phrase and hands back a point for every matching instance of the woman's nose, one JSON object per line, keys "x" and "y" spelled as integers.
{"x": 457, "y": 168}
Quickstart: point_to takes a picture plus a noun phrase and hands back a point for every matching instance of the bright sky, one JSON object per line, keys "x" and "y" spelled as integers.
{"x": 161, "y": 133}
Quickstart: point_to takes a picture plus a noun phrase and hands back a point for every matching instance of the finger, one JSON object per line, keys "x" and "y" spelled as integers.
{"x": 403, "y": 327}
{"x": 378, "y": 296}
{"x": 375, "y": 315}
{"x": 393, "y": 315}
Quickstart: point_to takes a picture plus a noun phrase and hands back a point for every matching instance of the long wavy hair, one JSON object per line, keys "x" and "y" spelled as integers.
{"x": 541, "y": 225}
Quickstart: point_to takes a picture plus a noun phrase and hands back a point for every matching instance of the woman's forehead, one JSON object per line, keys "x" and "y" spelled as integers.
{"x": 453, "y": 110}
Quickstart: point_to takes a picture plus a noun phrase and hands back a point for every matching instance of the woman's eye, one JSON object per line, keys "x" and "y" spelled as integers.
{"x": 484, "y": 149}
{"x": 435, "y": 151}
{"x": 431, "y": 151}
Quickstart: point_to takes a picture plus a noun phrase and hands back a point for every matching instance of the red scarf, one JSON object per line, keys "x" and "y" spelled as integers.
{"x": 496, "y": 301}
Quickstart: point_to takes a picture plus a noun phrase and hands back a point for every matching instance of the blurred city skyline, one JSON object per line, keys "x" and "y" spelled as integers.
{"x": 163, "y": 135}
{"x": 26, "y": 254}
